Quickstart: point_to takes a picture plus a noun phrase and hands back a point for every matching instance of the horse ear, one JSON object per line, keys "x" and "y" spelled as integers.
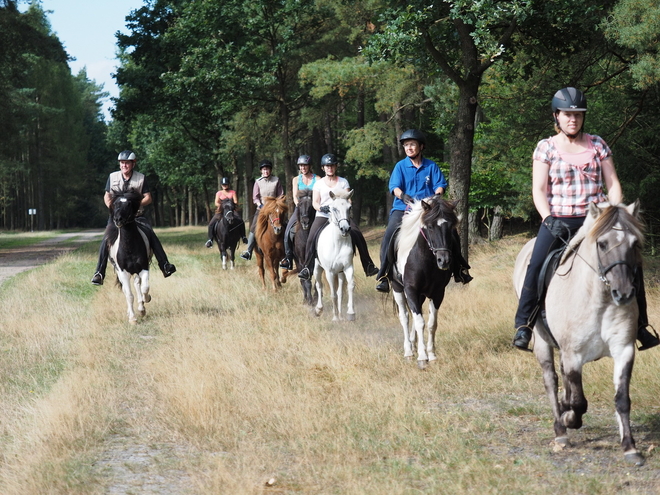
{"x": 332, "y": 195}
{"x": 594, "y": 211}
{"x": 350, "y": 194}
{"x": 633, "y": 209}
{"x": 425, "y": 205}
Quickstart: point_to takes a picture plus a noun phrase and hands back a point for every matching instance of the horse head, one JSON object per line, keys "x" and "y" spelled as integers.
{"x": 617, "y": 236}
{"x": 438, "y": 222}
{"x": 274, "y": 210}
{"x": 306, "y": 212}
{"x": 340, "y": 210}
{"x": 124, "y": 207}
{"x": 228, "y": 207}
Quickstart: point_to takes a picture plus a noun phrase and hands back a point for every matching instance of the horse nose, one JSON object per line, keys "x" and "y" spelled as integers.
{"x": 443, "y": 260}
{"x": 622, "y": 298}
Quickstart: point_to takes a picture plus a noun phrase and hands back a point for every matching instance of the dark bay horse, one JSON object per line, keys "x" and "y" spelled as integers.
{"x": 306, "y": 216}
{"x": 228, "y": 232}
{"x": 269, "y": 235}
{"x": 422, "y": 270}
{"x": 591, "y": 312}
{"x": 129, "y": 250}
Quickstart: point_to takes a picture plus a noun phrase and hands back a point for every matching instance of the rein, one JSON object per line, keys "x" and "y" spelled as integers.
{"x": 433, "y": 249}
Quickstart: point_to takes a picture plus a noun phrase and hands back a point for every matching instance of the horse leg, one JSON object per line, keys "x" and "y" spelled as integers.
{"x": 318, "y": 271}
{"x": 332, "y": 289}
{"x": 125, "y": 280}
{"x": 350, "y": 289}
{"x": 232, "y": 252}
{"x": 415, "y": 303}
{"x": 623, "y": 366}
{"x": 142, "y": 290}
{"x": 575, "y": 399}
{"x": 260, "y": 267}
{"x": 432, "y": 325}
{"x": 546, "y": 357}
{"x": 400, "y": 300}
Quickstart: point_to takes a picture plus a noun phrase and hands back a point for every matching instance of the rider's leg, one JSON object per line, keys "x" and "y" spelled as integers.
{"x": 165, "y": 266}
{"x": 287, "y": 262}
{"x": 211, "y": 230}
{"x": 460, "y": 266}
{"x": 646, "y": 338}
{"x": 358, "y": 241}
{"x": 247, "y": 254}
{"x": 102, "y": 264}
{"x": 310, "y": 247}
{"x": 384, "y": 273}
{"x": 241, "y": 226}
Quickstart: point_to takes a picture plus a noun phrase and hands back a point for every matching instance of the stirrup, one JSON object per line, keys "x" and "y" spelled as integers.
{"x": 522, "y": 342}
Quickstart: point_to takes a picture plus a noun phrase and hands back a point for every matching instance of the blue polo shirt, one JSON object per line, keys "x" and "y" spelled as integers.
{"x": 419, "y": 183}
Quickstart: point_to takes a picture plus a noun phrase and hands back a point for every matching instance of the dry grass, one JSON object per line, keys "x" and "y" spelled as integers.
{"x": 225, "y": 388}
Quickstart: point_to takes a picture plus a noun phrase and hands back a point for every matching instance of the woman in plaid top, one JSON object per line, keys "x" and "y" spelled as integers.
{"x": 570, "y": 170}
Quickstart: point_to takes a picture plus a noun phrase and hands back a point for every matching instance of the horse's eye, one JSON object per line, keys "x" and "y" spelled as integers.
{"x": 602, "y": 245}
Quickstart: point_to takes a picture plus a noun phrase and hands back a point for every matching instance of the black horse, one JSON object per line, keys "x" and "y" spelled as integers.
{"x": 306, "y": 216}
{"x": 228, "y": 231}
{"x": 129, "y": 249}
{"x": 423, "y": 269}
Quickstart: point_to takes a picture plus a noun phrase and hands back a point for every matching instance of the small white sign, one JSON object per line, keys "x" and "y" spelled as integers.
{"x": 32, "y": 211}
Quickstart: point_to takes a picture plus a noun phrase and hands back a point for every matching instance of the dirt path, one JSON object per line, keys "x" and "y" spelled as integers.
{"x": 16, "y": 260}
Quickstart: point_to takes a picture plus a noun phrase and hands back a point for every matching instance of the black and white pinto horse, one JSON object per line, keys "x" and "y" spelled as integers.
{"x": 228, "y": 232}
{"x": 129, "y": 250}
{"x": 591, "y": 312}
{"x": 422, "y": 270}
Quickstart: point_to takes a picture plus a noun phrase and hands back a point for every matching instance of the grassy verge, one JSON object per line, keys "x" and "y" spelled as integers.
{"x": 226, "y": 388}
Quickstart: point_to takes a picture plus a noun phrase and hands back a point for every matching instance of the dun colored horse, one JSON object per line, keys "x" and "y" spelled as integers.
{"x": 591, "y": 312}
{"x": 422, "y": 270}
{"x": 269, "y": 234}
{"x": 129, "y": 250}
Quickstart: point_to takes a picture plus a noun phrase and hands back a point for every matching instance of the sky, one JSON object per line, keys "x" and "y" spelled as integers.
{"x": 87, "y": 30}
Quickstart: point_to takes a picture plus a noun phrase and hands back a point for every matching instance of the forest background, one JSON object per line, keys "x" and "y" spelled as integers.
{"x": 208, "y": 88}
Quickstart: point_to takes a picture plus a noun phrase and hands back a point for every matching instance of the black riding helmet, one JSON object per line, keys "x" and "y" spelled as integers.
{"x": 413, "y": 134}
{"x": 569, "y": 100}
{"x": 126, "y": 155}
{"x": 329, "y": 159}
{"x": 304, "y": 160}
{"x": 266, "y": 164}
{"x": 225, "y": 181}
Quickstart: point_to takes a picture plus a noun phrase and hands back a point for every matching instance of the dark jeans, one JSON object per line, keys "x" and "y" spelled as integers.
{"x": 393, "y": 224}
{"x": 288, "y": 241}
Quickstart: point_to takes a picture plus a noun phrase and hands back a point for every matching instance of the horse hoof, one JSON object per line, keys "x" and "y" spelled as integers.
{"x": 133, "y": 321}
{"x": 350, "y": 317}
{"x": 562, "y": 442}
{"x": 147, "y": 298}
{"x": 432, "y": 357}
{"x": 635, "y": 458}
{"x": 422, "y": 364}
{"x": 142, "y": 312}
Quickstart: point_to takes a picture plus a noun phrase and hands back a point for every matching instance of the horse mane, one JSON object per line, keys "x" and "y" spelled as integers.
{"x": 418, "y": 216}
{"x": 342, "y": 193}
{"x": 270, "y": 204}
{"x": 304, "y": 193}
{"x": 608, "y": 218}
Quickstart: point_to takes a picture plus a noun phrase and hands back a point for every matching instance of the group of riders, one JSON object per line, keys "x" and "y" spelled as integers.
{"x": 561, "y": 204}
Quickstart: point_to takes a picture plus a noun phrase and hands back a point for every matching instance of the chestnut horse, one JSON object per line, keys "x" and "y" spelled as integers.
{"x": 269, "y": 235}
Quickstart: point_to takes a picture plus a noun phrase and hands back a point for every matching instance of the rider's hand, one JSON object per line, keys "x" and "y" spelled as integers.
{"x": 324, "y": 209}
{"x": 557, "y": 227}
{"x": 406, "y": 198}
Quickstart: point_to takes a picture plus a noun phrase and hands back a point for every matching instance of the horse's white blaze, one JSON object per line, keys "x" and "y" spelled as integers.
{"x": 441, "y": 221}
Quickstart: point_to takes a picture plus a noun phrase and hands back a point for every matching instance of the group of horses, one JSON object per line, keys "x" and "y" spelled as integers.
{"x": 590, "y": 305}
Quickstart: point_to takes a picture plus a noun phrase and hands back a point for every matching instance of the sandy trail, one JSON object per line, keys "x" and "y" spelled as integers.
{"x": 17, "y": 260}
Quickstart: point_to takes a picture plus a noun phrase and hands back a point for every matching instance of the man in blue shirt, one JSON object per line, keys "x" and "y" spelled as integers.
{"x": 414, "y": 177}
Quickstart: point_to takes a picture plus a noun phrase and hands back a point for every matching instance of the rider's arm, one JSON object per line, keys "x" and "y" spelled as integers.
{"x": 294, "y": 189}
{"x": 540, "y": 172}
{"x": 107, "y": 199}
{"x": 146, "y": 199}
{"x": 316, "y": 199}
{"x": 614, "y": 192}
{"x": 256, "y": 195}
{"x": 218, "y": 201}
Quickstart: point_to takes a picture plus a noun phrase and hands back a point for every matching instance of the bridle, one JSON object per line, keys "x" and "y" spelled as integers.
{"x": 337, "y": 221}
{"x": 434, "y": 250}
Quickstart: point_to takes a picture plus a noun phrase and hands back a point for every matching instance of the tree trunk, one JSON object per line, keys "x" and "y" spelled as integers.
{"x": 497, "y": 225}
{"x": 473, "y": 227}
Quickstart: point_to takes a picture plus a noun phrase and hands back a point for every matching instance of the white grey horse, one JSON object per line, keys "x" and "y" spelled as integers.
{"x": 591, "y": 311}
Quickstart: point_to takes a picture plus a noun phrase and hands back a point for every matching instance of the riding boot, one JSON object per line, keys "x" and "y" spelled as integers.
{"x": 247, "y": 254}
{"x": 522, "y": 338}
{"x": 460, "y": 266}
{"x": 383, "y": 285}
{"x": 646, "y": 338}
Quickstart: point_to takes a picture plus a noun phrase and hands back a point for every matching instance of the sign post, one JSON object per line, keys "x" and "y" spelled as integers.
{"x": 32, "y": 212}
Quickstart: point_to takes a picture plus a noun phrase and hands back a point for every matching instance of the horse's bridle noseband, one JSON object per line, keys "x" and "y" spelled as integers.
{"x": 433, "y": 249}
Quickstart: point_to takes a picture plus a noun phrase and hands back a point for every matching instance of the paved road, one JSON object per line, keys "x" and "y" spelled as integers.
{"x": 17, "y": 260}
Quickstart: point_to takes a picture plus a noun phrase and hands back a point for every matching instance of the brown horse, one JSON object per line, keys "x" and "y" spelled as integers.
{"x": 269, "y": 235}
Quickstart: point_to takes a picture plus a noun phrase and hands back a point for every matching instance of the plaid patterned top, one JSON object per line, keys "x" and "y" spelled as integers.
{"x": 572, "y": 186}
